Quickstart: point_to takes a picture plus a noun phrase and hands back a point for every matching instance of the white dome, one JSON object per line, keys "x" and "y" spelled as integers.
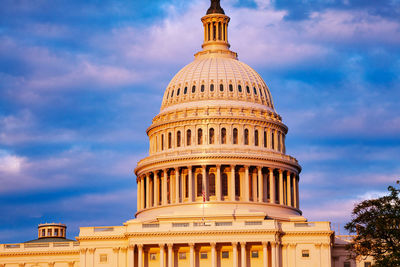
{"x": 217, "y": 77}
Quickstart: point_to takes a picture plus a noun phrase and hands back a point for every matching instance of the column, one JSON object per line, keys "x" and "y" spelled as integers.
{"x": 271, "y": 185}
{"x": 142, "y": 194}
{"x": 162, "y": 257}
{"x": 123, "y": 255}
{"x": 273, "y": 255}
{"x": 294, "y": 191}
{"x": 243, "y": 254}
{"x": 170, "y": 256}
{"x": 218, "y": 183}
{"x": 131, "y": 251}
{"x": 116, "y": 257}
{"x": 289, "y": 189}
{"x": 318, "y": 252}
{"x": 204, "y": 189}
{"x": 190, "y": 179}
{"x": 164, "y": 188}
{"x": 235, "y": 254}
{"x": 281, "y": 187}
{"x": 171, "y": 189}
{"x": 140, "y": 255}
{"x": 139, "y": 195}
{"x": 191, "y": 259}
{"x": 260, "y": 185}
{"x": 265, "y": 254}
{"x": 213, "y": 254}
{"x": 82, "y": 257}
{"x": 177, "y": 185}
{"x": 147, "y": 190}
{"x": 246, "y": 190}
{"x": 156, "y": 189}
{"x": 297, "y": 192}
{"x": 232, "y": 184}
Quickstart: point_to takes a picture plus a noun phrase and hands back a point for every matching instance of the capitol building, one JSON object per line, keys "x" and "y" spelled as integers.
{"x": 217, "y": 188}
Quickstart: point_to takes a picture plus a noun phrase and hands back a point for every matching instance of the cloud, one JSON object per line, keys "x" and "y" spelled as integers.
{"x": 10, "y": 164}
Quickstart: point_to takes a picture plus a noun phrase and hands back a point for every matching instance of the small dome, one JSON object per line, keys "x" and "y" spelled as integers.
{"x": 217, "y": 78}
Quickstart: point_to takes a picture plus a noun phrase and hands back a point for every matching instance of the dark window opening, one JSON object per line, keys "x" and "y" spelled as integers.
{"x": 188, "y": 137}
{"x": 221, "y": 87}
{"x": 224, "y": 184}
{"x": 211, "y": 184}
{"x": 235, "y": 136}
{"x": 256, "y": 137}
{"x": 240, "y": 88}
{"x": 248, "y": 89}
{"x": 199, "y": 136}
{"x": 185, "y": 90}
{"x": 202, "y": 88}
{"x": 211, "y": 136}
{"x": 193, "y": 88}
{"x": 212, "y": 87}
{"x": 223, "y": 136}
{"x": 178, "y": 139}
{"x": 231, "y": 88}
{"x": 246, "y": 136}
{"x": 199, "y": 184}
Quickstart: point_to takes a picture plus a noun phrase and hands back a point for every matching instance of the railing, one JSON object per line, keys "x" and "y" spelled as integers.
{"x": 150, "y": 225}
{"x": 103, "y": 229}
{"x": 49, "y": 245}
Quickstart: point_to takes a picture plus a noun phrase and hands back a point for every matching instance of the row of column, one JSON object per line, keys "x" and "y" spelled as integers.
{"x": 270, "y": 255}
{"x": 182, "y": 184}
{"x": 216, "y": 31}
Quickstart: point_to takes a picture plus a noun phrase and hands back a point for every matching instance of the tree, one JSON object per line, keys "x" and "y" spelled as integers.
{"x": 376, "y": 224}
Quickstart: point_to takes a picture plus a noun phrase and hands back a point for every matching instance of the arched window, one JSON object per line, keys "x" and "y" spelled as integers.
{"x": 221, "y": 87}
{"x": 199, "y": 184}
{"x": 212, "y": 88}
{"x": 223, "y": 136}
{"x": 188, "y": 137}
{"x": 237, "y": 184}
{"x": 279, "y": 141}
{"x": 265, "y": 139}
{"x": 193, "y": 88}
{"x": 169, "y": 140}
{"x": 172, "y": 94}
{"x": 186, "y": 186}
{"x": 255, "y": 91}
{"x": 246, "y": 136}
{"x": 256, "y": 137}
{"x": 199, "y": 136}
{"x": 224, "y": 184}
{"x": 272, "y": 140}
{"x": 202, "y": 88}
{"x": 261, "y": 92}
{"x": 178, "y": 139}
{"x": 211, "y": 136}
{"x": 235, "y": 136}
{"x": 211, "y": 184}
{"x": 185, "y": 90}
{"x": 231, "y": 88}
{"x": 179, "y": 90}
{"x": 162, "y": 142}
{"x": 248, "y": 89}
{"x": 239, "y": 88}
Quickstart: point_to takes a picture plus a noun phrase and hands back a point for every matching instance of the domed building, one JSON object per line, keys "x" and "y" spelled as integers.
{"x": 217, "y": 188}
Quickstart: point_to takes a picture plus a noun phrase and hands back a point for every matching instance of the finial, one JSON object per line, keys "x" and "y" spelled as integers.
{"x": 215, "y": 8}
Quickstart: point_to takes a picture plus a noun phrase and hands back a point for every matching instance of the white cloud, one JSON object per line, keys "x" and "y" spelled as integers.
{"x": 10, "y": 164}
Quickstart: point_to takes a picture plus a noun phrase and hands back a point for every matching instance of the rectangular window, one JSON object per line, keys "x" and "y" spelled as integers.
{"x": 346, "y": 264}
{"x": 203, "y": 255}
{"x": 225, "y": 254}
{"x": 254, "y": 254}
{"x": 103, "y": 258}
{"x": 153, "y": 256}
{"x": 305, "y": 253}
{"x": 182, "y": 255}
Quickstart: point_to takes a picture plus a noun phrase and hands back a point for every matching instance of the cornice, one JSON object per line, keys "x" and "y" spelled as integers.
{"x": 40, "y": 253}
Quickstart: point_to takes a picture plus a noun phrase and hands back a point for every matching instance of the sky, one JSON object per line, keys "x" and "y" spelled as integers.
{"x": 80, "y": 82}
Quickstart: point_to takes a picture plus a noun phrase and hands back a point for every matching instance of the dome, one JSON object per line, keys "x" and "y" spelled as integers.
{"x": 217, "y": 77}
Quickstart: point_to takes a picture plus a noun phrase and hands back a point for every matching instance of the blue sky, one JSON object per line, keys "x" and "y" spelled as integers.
{"x": 80, "y": 82}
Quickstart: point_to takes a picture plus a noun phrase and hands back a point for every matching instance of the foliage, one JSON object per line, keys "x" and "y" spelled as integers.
{"x": 376, "y": 223}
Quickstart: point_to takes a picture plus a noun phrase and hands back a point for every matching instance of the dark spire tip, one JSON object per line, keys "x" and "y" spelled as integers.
{"x": 215, "y": 8}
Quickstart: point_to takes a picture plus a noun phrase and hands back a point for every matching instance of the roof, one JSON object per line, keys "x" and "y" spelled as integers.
{"x": 50, "y": 240}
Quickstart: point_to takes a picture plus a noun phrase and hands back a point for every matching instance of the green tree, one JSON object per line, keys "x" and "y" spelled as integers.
{"x": 376, "y": 225}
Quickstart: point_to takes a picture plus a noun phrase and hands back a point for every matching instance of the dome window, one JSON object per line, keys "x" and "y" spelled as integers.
{"x": 172, "y": 94}
{"x": 248, "y": 89}
{"x": 177, "y": 92}
{"x": 231, "y": 88}
{"x": 272, "y": 140}
{"x": 212, "y": 87}
{"x": 193, "y": 88}
{"x": 178, "y": 139}
{"x": 211, "y": 136}
{"x": 199, "y": 136}
{"x": 188, "y": 137}
{"x": 255, "y": 91}
{"x": 185, "y": 90}
{"x": 223, "y": 136}
{"x": 261, "y": 92}
{"x": 169, "y": 140}
{"x": 167, "y": 95}
{"x": 224, "y": 182}
{"x": 237, "y": 184}
{"x": 239, "y": 88}
{"x": 265, "y": 139}
{"x": 246, "y": 136}
{"x": 221, "y": 87}
{"x": 256, "y": 137}
{"x": 202, "y": 88}
{"x": 162, "y": 142}
{"x": 199, "y": 184}
{"x": 211, "y": 184}
{"x": 235, "y": 136}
